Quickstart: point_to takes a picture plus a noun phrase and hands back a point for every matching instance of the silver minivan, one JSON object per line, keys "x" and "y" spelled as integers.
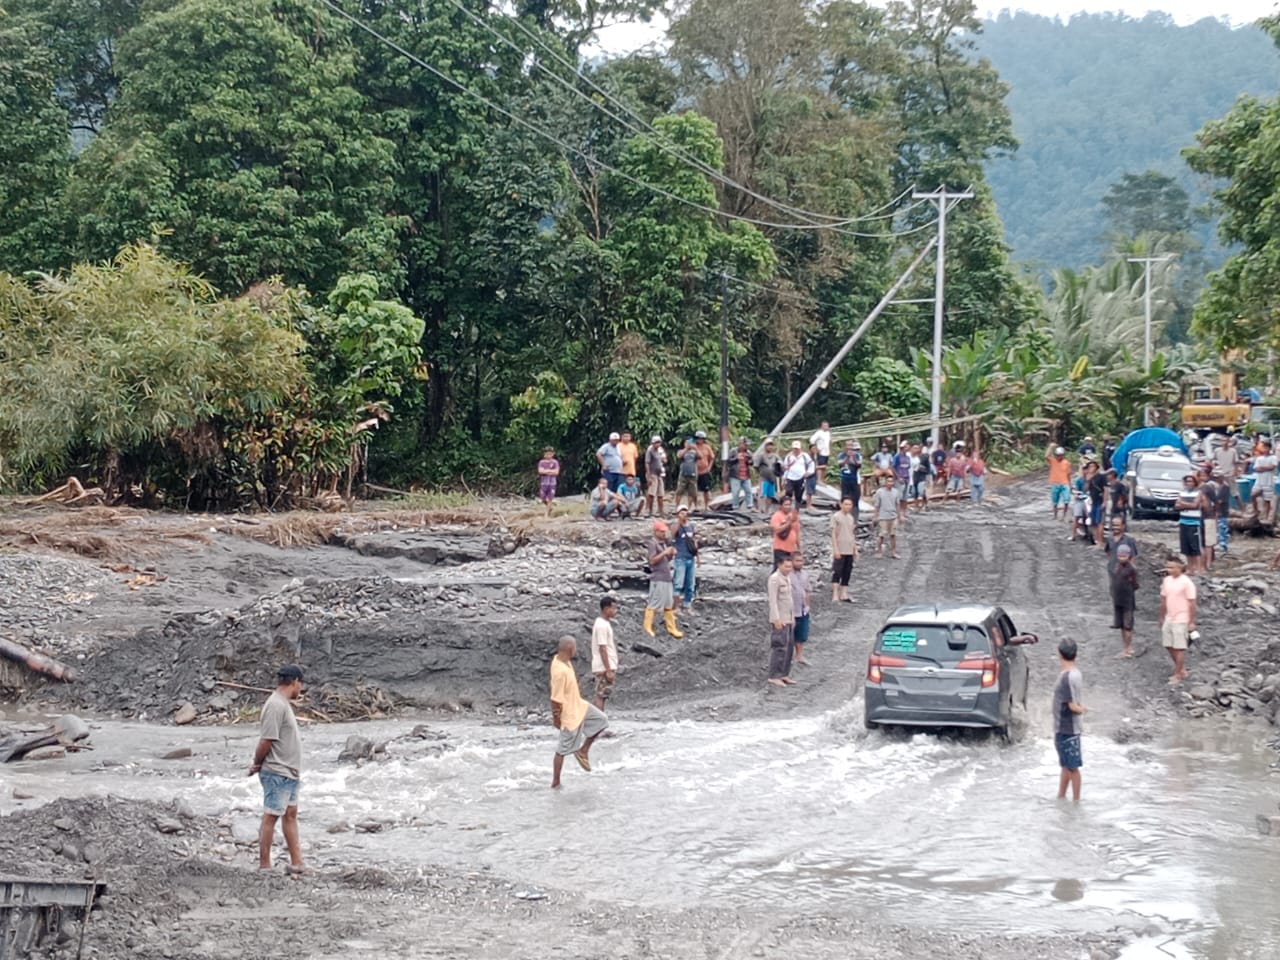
{"x": 948, "y": 665}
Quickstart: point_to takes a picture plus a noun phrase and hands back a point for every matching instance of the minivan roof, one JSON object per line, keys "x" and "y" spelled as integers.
{"x": 944, "y": 613}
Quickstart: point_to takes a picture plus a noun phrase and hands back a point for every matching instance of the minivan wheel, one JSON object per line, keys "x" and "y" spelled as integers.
{"x": 871, "y": 726}
{"x": 1016, "y": 727}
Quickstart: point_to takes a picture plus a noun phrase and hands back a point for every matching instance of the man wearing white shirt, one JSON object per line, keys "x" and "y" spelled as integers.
{"x": 796, "y": 467}
{"x": 604, "y": 651}
{"x": 1264, "y": 489}
{"x": 822, "y": 440}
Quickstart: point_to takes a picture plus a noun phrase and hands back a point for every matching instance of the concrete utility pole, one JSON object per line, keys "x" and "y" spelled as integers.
{"x": 853, "y": 339}
{"x": 1146, "y": 312}
{"x": 943, "y": 198}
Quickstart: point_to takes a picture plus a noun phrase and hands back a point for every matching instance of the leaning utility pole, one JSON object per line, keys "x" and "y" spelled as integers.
{"x": 943, "y": 198}
{"x": 853, "y": 339}
{"x": 1146, "y": 312}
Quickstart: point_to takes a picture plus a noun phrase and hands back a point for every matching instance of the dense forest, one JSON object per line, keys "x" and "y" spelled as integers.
{"x": 1100, "y": 95}
{"x": 251, "y": 253}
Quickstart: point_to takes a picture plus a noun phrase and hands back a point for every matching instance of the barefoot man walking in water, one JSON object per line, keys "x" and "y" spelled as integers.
{"x": 277, "y": 761}
{"x": 579, "y": 722}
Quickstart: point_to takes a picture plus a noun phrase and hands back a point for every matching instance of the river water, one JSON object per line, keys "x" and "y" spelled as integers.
{"x": 805, "y": 814}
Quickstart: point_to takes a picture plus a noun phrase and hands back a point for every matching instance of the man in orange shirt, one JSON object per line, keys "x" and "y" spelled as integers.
{"x": 1059, "y": 481}
{"x": 578, "y": 721}
{"x": 785, "y": 524}
{"x": 630, "y": 454}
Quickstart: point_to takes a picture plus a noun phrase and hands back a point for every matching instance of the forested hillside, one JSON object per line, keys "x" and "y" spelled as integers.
{"x": 252, "y": 251}
{"x": 1102, "y": 95}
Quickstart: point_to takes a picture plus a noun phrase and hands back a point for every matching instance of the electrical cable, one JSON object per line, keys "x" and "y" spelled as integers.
{"x": 461, "y": 88}
{"x": 650, "y": 132}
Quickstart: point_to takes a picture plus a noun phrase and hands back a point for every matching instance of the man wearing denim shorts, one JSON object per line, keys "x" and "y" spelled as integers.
{"x": 1067, "y": 714}
{"x": 277, "y": 761}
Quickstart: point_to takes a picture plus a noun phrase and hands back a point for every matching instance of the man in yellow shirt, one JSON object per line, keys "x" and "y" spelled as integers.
{"x": 578, "y": 721}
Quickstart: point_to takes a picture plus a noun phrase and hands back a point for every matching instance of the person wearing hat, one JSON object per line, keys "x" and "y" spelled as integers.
{"x": 655, "y": 475}
{"x": 1059, "y": 481}
{"x": 739, "y": 470}
{"x": 706, "y": 460}
{"x": 795, "y": 470}
{"x": 660, "y": 553}
{"x": 609, "y": 456}
{"x": 1124, "y": 591}
{"x": 1088, "y": 448}
{"x": 277, "y": 762}
{"x": 849, "y": 461}
{"x": 685, "y": 540}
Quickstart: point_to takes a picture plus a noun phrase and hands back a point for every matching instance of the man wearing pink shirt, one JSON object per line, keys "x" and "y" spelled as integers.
{"x": 1177, "y": 615}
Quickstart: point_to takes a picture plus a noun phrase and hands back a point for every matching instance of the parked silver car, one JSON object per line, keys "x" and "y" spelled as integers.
{"x": 948, "y": 665}
{"x": 1156, "y": 479}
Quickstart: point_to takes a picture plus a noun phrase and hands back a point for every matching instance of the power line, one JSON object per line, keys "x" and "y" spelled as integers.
{"x": 592, "y": 160}
{"x": 661, "y": 142}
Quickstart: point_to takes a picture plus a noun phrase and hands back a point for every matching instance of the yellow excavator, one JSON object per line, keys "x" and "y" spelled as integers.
{"x": 1222, "y": 407}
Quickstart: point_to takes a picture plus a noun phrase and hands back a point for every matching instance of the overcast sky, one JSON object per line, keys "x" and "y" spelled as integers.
{"x": 627, "y": 37}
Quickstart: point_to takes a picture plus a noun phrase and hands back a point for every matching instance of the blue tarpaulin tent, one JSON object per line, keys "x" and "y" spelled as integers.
{"x": 1148, "y": 438}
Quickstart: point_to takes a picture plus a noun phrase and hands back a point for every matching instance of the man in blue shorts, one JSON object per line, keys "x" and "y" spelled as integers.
{"x": 276, "y": 762}
{"x": 1067, "y": 714}
{"x": 1059, "y": 482}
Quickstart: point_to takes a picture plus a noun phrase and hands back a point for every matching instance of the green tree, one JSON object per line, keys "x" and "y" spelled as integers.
{"x": 35, "y": 151}
{"x": 1148, "y": 202}
{"x": 108, "y": 364}
{"x": 238, "y": 139}
{"x": 1241, "y": 306}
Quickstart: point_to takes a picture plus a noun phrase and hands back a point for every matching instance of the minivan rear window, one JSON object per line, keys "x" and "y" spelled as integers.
{"x": 931, "y": 642}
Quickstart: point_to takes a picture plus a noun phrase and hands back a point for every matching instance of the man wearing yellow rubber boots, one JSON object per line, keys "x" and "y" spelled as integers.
{"x": 661, "y": 594}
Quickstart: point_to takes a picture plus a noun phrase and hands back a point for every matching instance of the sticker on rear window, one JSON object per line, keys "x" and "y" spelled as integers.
{"x": 898, "y": 641}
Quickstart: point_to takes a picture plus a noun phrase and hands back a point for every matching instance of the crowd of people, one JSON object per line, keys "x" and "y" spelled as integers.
{"x": 634, "y": 483}
{"x": 1092, "y": 495}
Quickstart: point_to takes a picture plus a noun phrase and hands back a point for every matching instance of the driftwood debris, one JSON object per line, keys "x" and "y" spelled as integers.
{"x": 37, "y": 662}
{"x": 68, "y": 731}
{"x": 71, "y": 494}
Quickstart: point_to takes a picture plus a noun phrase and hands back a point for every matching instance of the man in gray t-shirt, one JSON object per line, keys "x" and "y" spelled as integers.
{"x": 1067, "y": 713}
{"x": 277, "y": 761}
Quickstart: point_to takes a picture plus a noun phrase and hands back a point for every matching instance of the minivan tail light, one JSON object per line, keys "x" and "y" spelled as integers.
{"x": 874, "y": 674}
{"x": 990, "y": 669}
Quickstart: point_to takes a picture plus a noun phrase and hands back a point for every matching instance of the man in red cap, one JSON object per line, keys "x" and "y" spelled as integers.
{"x": 661, "y": 593}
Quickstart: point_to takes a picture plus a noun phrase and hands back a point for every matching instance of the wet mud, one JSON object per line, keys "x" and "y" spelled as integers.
{"x": 726, "y": 819}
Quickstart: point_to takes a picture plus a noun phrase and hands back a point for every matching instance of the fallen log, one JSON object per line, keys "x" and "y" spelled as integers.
{"x": 67, "y": 731}
{"x": 36, "y": 662}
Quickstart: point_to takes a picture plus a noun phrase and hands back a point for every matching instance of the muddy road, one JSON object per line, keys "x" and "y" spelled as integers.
{"x": 726, "y": 818}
